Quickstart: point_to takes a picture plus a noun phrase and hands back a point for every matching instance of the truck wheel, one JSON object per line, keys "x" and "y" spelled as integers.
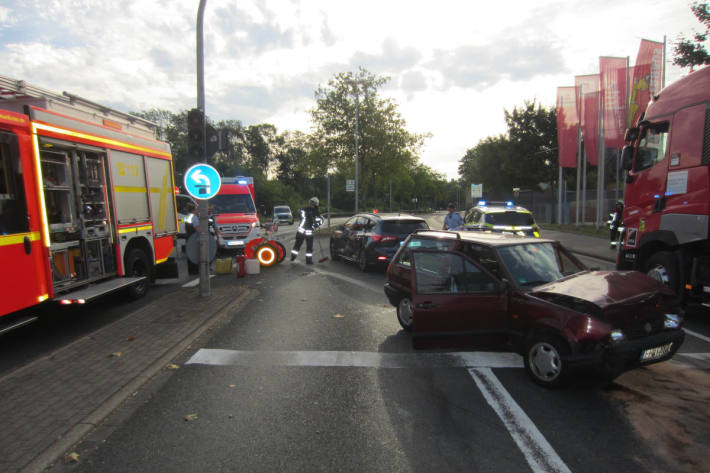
{"x": 663, "y": 267}
{"x": 404, "y": 313}
{"x": 138, "y": 264}
{"x": 543, "y": 361}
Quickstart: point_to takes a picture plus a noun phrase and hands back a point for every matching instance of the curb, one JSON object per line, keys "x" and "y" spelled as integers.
{"x": 75, "y": 434}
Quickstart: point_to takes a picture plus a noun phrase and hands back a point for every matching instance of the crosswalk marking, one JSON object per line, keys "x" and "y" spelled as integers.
{"x": 221, "y": 357}
{"x": 538, "y": 452}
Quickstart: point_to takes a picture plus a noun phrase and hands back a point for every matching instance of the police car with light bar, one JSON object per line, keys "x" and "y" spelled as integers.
{"x": 501, "y": 217}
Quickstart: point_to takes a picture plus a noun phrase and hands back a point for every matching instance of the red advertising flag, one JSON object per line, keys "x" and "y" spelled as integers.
{"x": 590, "y": 127}
{"x": 587, "y": 93}
{"x": 612, "y": 74}
{"x": 647, "y": 79}
{"x": 584, "y": 85}
{"x": 566, "y": 127}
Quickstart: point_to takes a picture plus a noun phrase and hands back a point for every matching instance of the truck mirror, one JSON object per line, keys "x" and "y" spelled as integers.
{"x": 631, "y": 134}
{"x": 627, "y": 158}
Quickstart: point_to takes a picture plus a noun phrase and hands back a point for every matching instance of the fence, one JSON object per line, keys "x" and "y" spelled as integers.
{"x": 544, "y": 206}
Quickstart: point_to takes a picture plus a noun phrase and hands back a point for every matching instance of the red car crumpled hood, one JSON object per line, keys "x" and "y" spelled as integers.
{"x": 606, "y": 288}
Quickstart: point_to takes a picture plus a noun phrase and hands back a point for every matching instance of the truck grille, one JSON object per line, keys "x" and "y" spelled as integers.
{"x": 235, "y": 228}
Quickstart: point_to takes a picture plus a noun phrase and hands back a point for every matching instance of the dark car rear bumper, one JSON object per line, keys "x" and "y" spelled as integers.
{"x": 624, "y": 356}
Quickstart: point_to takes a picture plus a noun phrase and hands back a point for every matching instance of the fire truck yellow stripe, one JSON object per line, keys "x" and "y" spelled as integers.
{"x": 18, "y": 238}
{"x": 127, "y": 189}
{"x": 86, "y": 136}
{"x": 135, "y": 229}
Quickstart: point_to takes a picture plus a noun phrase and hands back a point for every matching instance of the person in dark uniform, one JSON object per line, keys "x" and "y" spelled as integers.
{"x": 192, "y": 226}
{"x": 310, "y": 220}
{"x": 615, "y": 223}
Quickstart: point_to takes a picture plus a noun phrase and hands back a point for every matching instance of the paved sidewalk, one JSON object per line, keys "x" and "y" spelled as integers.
{"x": 50, "y": 404}
{"x": 583, "y": 244}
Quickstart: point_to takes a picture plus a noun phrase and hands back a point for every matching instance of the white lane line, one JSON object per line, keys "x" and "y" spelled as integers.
{"x": 697, "y": 335}
{"x": 696, "y": 356}
{"x": 376, "y": 287}
{"x": 220, "y": 357}
{"x": 539, "y": 454}
{"x": 195, "y": 282}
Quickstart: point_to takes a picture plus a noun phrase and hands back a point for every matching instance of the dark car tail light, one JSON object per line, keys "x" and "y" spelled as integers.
{"x": 383, "y": 238}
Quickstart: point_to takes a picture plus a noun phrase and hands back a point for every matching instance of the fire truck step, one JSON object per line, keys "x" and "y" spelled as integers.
{"x": 88, "y": 293}
{"x": 16, "y": 322}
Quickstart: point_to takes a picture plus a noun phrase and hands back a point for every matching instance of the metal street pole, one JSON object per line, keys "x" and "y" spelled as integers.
{"x": 203, "y": 207}
{"x": 357, "y": 120}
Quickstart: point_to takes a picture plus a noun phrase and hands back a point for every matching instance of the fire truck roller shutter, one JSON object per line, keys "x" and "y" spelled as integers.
{"x": 130, "y": 187}
{"x": 162, "y": 203}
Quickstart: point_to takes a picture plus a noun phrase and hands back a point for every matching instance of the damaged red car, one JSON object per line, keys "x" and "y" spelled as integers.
{"x": 534, "y": 294}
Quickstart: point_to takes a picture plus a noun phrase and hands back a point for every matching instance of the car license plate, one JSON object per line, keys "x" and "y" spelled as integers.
{"x": 235, "y": 243}
{"x": 655, "y": 353}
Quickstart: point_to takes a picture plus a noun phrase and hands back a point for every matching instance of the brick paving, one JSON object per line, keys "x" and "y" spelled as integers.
{"x": 44, "y": 402}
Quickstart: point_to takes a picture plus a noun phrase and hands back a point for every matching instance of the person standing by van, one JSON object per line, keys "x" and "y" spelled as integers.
{"x": 453, "y": 220}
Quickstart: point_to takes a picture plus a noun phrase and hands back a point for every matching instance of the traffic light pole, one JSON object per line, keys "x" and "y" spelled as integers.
{"x": 203, "y": 207}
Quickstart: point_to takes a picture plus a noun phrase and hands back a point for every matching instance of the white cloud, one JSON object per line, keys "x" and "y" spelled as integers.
{"x": 454, "y": 65}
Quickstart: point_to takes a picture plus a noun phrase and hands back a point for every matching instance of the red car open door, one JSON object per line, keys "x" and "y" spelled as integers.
{"x": 451, "y": 295}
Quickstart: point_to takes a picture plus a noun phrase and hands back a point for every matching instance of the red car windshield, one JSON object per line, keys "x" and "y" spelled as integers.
{"x": 533, "y": 264}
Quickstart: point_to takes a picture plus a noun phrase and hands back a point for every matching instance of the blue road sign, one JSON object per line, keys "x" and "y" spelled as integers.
{"x": 202, "y": 181}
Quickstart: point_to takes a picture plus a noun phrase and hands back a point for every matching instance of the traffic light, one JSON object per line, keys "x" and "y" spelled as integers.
{"x": 196, "y": 134}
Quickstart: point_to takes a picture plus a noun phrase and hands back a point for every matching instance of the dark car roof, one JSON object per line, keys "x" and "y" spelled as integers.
{"x": 390, "y": 216}
{"x": 486, "y": 238}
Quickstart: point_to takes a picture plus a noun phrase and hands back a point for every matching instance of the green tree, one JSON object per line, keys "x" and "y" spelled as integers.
{"x": 692, "y": 52}
{"x": 532, "y": 130}
{"x": 385, "y": 147}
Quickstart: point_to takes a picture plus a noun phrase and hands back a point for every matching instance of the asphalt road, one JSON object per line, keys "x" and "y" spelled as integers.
{"x": 316, "y": 375}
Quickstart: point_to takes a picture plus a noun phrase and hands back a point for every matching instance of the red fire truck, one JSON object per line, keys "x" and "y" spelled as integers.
{"x": 667, "y": 193}
{"x": 86, "y": 200}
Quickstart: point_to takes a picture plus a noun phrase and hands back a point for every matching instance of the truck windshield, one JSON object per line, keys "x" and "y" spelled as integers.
{"x": 232, "y": 204}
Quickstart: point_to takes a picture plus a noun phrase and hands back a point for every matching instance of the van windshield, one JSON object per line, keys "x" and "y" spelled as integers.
{"x": 282, "y": 210}
{"x": 232, "y": 204}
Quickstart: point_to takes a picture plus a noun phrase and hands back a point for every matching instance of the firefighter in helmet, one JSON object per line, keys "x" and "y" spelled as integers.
{"x": 310, "y": 221}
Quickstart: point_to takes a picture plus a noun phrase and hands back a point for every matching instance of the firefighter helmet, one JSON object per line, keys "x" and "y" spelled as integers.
{"x": 314, "y": 201}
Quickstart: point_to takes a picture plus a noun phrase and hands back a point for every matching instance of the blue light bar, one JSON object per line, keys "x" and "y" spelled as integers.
{"x": 242, "y": 181}
{"x": 509, "y": 203}
{"x": 482, "y": 203}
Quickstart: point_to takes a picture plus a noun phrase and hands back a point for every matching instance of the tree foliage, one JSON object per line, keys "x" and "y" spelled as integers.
{"x": 524, "y": 157}
{"x": 692, "y": 52}
{"x": 386, "y": 149}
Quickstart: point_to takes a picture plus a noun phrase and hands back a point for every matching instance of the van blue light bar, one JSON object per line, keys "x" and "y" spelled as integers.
{"x": 241, "y": 180}
{"x": 482, "y": 203}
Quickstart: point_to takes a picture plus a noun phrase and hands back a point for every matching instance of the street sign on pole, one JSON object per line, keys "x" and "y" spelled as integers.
{"x": 476, "y": 191}
{"x": 202, "y": 181}
{"x": 350, "y": 185}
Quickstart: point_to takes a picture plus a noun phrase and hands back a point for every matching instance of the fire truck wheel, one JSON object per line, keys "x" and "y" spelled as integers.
{"x": 137, "y": 264}
{"x": 663, "y": 267}
{"x": 267, "y": 255}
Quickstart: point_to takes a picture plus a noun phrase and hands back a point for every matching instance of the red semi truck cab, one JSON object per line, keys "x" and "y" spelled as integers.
{"x": 667, "y": 191}
{"x": 234, "y": 212}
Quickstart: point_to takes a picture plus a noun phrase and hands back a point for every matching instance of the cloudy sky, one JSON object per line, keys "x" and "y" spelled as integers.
{"x": 454, "y": 65}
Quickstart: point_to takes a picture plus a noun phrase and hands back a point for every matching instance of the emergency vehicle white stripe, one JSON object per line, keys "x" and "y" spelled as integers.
{"x": 539, "y": 454}
{"x": 221, "y": 357}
